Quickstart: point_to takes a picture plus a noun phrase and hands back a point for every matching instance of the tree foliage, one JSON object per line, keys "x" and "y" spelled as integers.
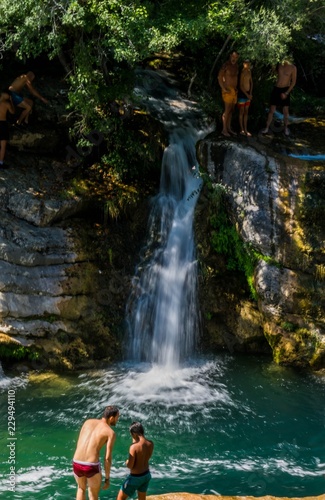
{"x": 93, "y": 36}
{"x": 99, "y": 42}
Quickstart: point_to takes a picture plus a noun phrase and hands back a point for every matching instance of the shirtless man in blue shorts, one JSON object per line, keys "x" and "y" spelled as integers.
{"x": 138, "y": 462}
{"x": 19, "y": 100}
{"x": 280, "y": 96}
{"x": 94, "y": 434}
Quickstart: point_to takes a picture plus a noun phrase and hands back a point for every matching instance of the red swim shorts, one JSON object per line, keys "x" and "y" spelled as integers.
{"x": 85, "y": 469}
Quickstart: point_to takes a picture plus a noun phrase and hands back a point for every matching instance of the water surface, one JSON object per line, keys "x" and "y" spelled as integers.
{"x": 229, "y": 425}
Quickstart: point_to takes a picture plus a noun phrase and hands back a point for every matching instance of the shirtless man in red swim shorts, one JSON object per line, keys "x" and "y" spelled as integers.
{"x": 228, "y": 81}
{"x": 94, "y": 434}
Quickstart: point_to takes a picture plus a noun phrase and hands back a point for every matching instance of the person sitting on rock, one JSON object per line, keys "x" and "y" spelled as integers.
{"x": 6, "y": 106}
{"x": 19, "y": 100}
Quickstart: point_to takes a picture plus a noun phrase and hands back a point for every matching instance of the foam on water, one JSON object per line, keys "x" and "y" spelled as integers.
{"x": 148, "y": 385}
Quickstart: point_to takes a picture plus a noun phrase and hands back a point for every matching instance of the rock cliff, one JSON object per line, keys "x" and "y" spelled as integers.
{"x": 59, "y": 300}
{"x": 64, "y": 278}
{"x": 276, "y": 204}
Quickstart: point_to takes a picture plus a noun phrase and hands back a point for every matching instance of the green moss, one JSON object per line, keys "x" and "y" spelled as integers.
{"x": 288, "y": 327}
{"x": 15, "y": 352}
{"x": 225, "y": 239}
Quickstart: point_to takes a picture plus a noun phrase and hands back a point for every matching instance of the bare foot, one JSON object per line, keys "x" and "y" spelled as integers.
{"x": 225, "y": 134}
{"x": 265, "y": 130}
{"x": 248, "y": 134}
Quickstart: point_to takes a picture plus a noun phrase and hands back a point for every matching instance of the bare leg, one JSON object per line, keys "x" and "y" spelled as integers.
{"x": 81, "y": 489}
{"x": 269, "y": 119}
{"x": 121, "y": 495}
{"x": 27, "y": 104}
{"x": 286, "y": 119}
{"x": 3, "y": 145}
{"x": 246, "y": 120}
{"x": 94, "y": 486}
{"x": 241, "y": 119}
{"x": 142, "y": 495}
{"x": 226, "y": 118}
{"x": 232, "y": 107}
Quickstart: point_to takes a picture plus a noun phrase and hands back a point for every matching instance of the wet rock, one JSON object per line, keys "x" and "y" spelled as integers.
{"x": 270, "y": 199}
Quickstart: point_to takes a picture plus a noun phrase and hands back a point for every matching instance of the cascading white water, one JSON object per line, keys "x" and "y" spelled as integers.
{"x": 162, "y": 311}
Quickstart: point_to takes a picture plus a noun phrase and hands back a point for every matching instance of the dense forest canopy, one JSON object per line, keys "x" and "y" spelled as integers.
{"x": 100, "y": 42}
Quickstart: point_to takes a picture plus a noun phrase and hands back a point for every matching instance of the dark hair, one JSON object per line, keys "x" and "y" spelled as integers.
{"x": 110, "y": 411}
{"x": 137, "y": 428}
{"x": 233, "y": 52}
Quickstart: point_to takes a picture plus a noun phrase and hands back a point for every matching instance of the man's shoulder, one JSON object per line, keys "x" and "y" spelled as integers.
{"x": 224, "y": 66}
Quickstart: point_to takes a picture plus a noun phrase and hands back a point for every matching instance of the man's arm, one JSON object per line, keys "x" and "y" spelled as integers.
{"x": 131, "y": 460}
{"x": 108, "y": 458}
{"x": 293, "y": 80}
{"x": 221, "y": 78}
{"x": 35, "y": 92}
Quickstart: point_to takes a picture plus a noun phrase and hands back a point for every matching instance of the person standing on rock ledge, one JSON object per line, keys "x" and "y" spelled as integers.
{"x": 6, "y": 106}
{"x": 280, "y": 96}
{"x": 20, "y": 101}
{"x": 138, "y": 462}
{"x": 228, "y": 81}
{"x": 94, "y": 434}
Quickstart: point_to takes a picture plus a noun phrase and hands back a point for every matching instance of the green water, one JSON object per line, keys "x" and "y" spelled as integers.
{"x": 233, "y": 426}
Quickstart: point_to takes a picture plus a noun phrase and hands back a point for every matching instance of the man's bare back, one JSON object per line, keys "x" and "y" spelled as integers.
{"x": 140, "y": 453}
{"x": 93, "y": 435}
{"x": 19, "y": 83}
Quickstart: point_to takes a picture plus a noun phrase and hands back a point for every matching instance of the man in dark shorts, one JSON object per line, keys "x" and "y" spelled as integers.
{"x": 280, "y": 96}
{"x": 138, "y": 462}
{"x": 94, "y": 434}
{"x": 6, "y": 106}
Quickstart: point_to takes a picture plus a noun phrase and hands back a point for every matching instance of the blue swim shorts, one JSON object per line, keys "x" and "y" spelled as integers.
{"x": 136, "y": 482}
{"x": 16, "y": 98}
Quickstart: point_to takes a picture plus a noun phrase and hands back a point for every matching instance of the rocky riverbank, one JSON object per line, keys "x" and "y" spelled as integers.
{"x": 191, "y": 496}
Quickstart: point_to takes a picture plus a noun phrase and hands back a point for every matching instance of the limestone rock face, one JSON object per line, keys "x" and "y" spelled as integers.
{"x": 191, "y": 496}
{"x": 52, "y": 289}
{"x": 276, "y": 204}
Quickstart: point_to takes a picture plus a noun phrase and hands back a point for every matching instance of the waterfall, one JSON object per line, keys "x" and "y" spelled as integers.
{"x": 162, "y": 311}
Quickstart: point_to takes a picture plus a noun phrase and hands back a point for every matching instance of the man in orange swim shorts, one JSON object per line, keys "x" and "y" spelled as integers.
{"x": 228, "y": 80}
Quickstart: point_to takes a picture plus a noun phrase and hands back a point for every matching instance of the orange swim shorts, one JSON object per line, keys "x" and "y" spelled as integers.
{"x": 230, "y": 97}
